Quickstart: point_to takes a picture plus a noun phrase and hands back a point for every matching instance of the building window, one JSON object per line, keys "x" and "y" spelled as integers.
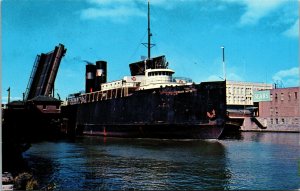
{"x": 282, "y": 120}
{"x": 296, "y": 96}
{"x": 276, "y": 121}
{"x": 271, "y": 97}
{"x": 271, "y": 120}
{"x": 271, "y": 111}
{"x": 281, "y": 96}
{"x": 276, "y": 97}
{"x": 44, "y": 107}
{"x": 289, "y": 96}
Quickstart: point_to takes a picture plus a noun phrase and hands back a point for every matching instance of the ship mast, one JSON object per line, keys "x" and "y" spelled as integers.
{"x": 148, "y": 44}
{"x": 149, "y": 32}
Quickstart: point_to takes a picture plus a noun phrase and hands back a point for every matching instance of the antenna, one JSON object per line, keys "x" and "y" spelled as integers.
{"x": 148, "y": 44}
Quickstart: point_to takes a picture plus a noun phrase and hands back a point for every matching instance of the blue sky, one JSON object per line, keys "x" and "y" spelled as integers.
{"x": 260, "y": 38}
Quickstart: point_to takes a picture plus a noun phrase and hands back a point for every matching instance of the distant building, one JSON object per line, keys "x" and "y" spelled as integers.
{"x": 240, "y": 101}
{"x": 283, "y": 109}
{"x": 241, "y": 93}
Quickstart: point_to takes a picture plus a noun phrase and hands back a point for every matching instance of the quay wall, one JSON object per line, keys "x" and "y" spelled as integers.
{"x": 291, "y": 124}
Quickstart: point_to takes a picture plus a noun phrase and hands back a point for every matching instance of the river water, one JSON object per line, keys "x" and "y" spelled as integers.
{"x": 260, "y": 161}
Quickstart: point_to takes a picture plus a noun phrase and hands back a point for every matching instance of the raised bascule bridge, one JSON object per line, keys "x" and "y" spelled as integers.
{"x": 39, "y": 111}
{"x": 43, "y": 75}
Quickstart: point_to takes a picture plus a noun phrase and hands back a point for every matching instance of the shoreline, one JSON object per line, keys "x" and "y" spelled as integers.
{"x": 269, "y": 131}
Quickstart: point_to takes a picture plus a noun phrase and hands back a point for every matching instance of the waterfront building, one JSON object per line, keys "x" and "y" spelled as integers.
{"x": 240, "y": 102}
{"x": 282, "y": 111}
{"x": 241, "y": 93}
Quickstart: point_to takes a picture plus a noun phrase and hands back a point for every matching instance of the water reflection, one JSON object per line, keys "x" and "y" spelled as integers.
{"x": 291, "y": 139}
{"x": 114, "y": 164}
{"x": 264, "y": 161}
{"x": 260, "y": 161}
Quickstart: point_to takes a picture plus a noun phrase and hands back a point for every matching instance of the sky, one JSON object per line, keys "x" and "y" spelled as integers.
{"x": 261, "y": 39}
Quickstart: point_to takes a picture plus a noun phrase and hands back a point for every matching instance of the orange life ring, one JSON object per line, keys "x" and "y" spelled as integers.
{"x": 133, "y": 78}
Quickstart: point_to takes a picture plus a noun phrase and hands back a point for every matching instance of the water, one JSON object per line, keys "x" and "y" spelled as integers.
{"x": 259, "y": 161}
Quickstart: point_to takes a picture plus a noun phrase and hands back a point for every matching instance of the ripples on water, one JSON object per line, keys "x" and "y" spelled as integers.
{"x": 257, "y": 161}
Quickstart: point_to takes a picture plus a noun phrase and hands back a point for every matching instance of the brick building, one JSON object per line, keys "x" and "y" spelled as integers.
{"x": 282, "y": 111}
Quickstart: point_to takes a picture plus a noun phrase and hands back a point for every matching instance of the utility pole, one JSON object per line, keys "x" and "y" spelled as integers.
{"x": 8, "y": 97}
{"x": 224, "y": 69}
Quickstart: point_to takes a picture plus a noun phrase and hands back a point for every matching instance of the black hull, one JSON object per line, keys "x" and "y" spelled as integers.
{"x": 196, "y": 111}
{"x": 175, "y": 131}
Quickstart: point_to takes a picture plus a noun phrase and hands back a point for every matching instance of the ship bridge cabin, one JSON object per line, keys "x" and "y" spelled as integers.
{"x": 156, "y": 78}
{"x": 145, "y": 75}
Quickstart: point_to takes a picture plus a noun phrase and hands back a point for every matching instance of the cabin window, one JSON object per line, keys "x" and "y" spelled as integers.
{"x": 44, "y": 107}
{"x": 57, "y": 106}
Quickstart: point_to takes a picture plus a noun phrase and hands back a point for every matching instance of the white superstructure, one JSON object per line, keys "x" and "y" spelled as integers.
{"x": 153, "y": 78}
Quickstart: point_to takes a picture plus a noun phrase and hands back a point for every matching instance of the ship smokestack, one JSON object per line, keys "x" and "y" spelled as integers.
{"x": 101, "y": 74}
{"x": 90, "y": 74}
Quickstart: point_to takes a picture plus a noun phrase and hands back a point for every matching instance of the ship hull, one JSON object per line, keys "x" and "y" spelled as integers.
{"x": 196, "y": 111}
{"x": 166, "y": 131}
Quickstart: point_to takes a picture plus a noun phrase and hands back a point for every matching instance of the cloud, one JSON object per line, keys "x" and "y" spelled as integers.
{"x": 289, "y": 77}
{"x": 256, "y": 9}
{"x": 119, "y": 13}
{"x": 230, "y": 76}
{"x": 293, "y": 31}
{"x": 115, "y": 10}
{"x": 214, "y": 78}
{"x": 120, "y": 10}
